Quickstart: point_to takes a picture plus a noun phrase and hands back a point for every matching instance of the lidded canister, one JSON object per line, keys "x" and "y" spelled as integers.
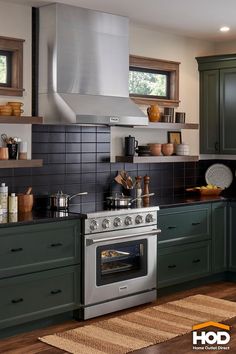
{"x": 13, "y": 203}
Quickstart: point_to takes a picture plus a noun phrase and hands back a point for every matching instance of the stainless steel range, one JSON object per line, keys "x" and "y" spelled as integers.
{"x": 120, "y": 260}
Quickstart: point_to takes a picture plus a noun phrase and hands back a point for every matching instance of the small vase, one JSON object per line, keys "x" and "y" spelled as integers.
{"x": 154, "y": 114}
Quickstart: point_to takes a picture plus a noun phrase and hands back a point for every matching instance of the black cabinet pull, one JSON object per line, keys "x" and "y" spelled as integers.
{"x": 56, "y": 291}
{"x": 196, "y": 260}
{"x": 171, "y": 227}
{"x": 216, "y": 146}
{"x": 172, "y": 266}
{"x": 195, "y": 223}
{"x": 17, "y": 301}
{"x": 17, "y": 249}
{"x": 56, "y": 244}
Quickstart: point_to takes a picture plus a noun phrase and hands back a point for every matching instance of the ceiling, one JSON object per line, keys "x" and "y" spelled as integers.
{"x": 194, "y": 18}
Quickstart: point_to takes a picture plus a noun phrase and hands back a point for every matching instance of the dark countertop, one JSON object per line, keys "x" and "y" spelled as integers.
{"x": 45, "y": 216}
{"x": 35, "y": 217}
{"x": 188, "y": 200}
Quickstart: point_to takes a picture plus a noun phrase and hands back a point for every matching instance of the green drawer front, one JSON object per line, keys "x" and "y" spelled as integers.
{"x": 180, "y": 263}
{"x": 25, "y": 249}
{"x": 190, "y": 223}
{"x": 38, "y": 295}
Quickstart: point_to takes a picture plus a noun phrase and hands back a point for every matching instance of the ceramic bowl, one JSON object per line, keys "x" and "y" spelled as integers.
{"x": 167, "y": 149}
{"x": 155, "y": 149}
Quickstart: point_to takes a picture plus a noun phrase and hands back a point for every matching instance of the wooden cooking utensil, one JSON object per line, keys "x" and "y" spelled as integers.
{"x": 28, "y": 191}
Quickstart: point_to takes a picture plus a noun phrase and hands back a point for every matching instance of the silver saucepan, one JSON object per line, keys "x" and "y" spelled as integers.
{"x": 123, "y": 201}
{"x": 60, "y": 201}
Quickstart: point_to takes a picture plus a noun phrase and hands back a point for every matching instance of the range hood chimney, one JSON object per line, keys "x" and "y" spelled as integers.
{"x": 84, "y": 68}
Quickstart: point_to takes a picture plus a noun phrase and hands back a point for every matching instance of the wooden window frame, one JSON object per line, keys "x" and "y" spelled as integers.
{"x": 171, "y": 67}
{"x": 15, "y": 46}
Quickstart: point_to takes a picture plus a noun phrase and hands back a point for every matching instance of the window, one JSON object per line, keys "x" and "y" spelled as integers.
{"x": 11, "y": 66}
{"x": 154, "y": 80}
{"x": 148, "y": 83}
{"x": 5, "y": 68}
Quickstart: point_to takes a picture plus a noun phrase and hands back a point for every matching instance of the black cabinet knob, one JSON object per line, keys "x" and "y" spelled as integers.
{"x": 172, "y": 266}
{"x": 196, "y": 260}
{"x": 17, "y": 249}
{"x": 56, "y": 291}
{"x": 196, "y": 223}
{"x": 171, "y": 227}
{"x": 56, "y": 244}
{"x": 17, "y": 301}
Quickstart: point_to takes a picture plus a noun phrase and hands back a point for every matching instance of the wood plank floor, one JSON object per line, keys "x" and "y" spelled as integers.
{"x": 28, "y": 343}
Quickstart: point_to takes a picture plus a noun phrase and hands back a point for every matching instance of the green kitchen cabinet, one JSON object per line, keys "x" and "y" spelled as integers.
{"x": 232, "y": 236}
{"x": 39, "y": 271}
{"x": 39, "y": 295}
{"x": 30, "y": 248}
{"x": 184, "y": 245}
{"x": 217, "y": 104}
{"x": 177, "y": 264}
{"x": 219, "y": 237}
{"x": 183, "y": 224}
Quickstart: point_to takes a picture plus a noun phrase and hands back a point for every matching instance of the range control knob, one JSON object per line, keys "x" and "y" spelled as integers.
{"x": 106, "y": 224}
{"x": 93, "y": 225}
{"x": 117, "y": 222}
{"x": 128, "y": 221}
{"x": 149, "y": 218}
{"x": 139, "y": 219}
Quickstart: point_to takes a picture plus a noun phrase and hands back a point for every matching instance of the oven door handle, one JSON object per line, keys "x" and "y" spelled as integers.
{"x": 90, "y": 242}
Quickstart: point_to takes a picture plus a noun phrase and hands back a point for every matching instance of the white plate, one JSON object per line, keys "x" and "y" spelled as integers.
{"x": 219, "y": 175}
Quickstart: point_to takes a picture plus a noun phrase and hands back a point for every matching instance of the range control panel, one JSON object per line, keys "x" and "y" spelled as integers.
{"x": 120, "y": 222}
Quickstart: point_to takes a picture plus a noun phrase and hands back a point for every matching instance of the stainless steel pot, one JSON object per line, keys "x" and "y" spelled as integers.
{"x": 123, "y": 201}
{"x": 60, "y": 201}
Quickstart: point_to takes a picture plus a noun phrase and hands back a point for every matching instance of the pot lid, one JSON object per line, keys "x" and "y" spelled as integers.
{"x": 59, "y": 195}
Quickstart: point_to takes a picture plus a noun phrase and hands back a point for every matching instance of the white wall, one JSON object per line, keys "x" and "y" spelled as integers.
{"x": 225, "y": 47}
{"x": 155, "y": 44}
{"x": 15, "y": 21}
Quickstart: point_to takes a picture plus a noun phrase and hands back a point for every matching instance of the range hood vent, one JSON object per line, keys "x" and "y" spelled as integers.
{"x": 84, "y": 68}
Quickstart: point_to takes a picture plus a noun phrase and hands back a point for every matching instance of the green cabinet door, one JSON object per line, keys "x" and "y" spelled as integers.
{"x": 31, "y": 248}
{"x": 219, "y": 237}
{"x": 232, "y": 236}
{"x": 217, "y": 104}
{"x": 178, "y": 264}
{"x": 227, "y": 111}
{"x": 209, "y": 112}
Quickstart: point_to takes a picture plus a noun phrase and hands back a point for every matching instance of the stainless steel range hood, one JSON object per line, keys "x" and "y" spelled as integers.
{"x": 84, "y": 68}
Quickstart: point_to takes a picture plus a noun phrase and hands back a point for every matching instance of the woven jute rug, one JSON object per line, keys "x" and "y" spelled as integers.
{"x": 140, "y": 329}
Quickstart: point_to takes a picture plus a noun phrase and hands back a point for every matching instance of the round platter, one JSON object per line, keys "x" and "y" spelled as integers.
{"x": 219, "y": 175}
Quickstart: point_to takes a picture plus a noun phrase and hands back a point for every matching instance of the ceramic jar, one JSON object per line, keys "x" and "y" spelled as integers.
{"x": 182, "y": 149}
{"x": 154, "y": 114}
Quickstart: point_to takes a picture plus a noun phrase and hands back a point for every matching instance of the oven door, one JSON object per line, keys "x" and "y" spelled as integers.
{"x": 119, "y": 263}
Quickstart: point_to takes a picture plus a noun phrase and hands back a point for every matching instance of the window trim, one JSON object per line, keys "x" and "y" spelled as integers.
{"x": 15, "y": 46}
{"x": 171, "y": 67}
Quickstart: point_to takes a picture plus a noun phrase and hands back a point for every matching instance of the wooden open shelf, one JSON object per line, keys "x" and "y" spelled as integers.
{"x": 155, "y": 159}
{"x": 169, "y": 126}
{"x": 20, "y": 120}
{"x": 20, "y": 163}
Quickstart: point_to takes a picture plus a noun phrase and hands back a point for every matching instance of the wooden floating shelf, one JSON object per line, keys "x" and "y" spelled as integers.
{"x": 155, "y": 159}
{"x": 20, "y": 163}
{"x": 169, "y": 126}
{"x": 20, "y": 120}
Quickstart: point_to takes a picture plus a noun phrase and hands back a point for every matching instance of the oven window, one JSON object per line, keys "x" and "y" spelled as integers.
{"x": 121, "y": 261}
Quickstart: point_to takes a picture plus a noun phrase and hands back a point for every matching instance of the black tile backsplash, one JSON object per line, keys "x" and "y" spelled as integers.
{"x": 76, "y": 159}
